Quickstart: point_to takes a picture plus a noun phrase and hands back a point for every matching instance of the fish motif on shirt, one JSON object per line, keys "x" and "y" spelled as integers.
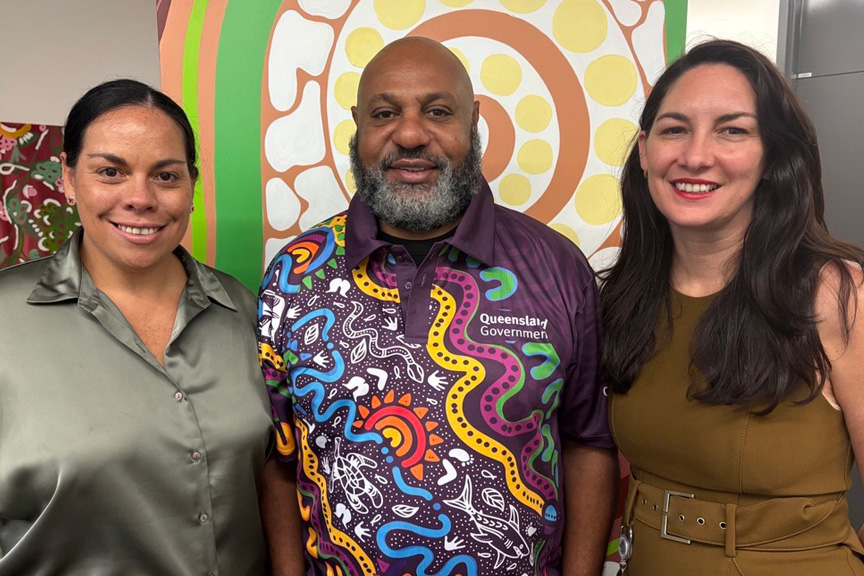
{"x": 503, "y": 536}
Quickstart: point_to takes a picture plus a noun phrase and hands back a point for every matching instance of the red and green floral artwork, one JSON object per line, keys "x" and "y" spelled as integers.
{"x": 34, "y": 217}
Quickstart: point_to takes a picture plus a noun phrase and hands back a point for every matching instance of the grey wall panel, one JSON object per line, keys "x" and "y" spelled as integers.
{"x": 55, "y": 50}
{"x": 836, "y": 106}
{"x": 831, "y": 39}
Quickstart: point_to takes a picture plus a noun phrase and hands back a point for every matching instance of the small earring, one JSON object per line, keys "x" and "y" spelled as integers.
{"x": 645, "y": 173}
{"x": 70, "y": 200}
{"x": 192, "y": 209}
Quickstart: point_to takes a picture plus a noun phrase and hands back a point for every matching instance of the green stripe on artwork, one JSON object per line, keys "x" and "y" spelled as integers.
{"x": 191, "y": 51}
{"x": 237, "y": 151}
{"x": 676, "y": 28}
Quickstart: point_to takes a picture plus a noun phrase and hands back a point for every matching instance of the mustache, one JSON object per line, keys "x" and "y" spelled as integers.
{"x": 413, "y": 154}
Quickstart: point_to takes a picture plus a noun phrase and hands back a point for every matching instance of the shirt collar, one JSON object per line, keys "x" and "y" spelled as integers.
{"x": 65, "y": 278}
{"x": 475, "y": 233}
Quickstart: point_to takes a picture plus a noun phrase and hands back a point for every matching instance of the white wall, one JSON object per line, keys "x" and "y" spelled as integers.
{"x": 54, "y": 50}
{"x": 752, "y": 22}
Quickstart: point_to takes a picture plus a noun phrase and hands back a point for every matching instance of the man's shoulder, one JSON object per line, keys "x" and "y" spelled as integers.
{"x": 529, "y": 235}
{"x": 326, "y": 236}
{"x": 306, "y": 254}
{"x": 512, "y": 220}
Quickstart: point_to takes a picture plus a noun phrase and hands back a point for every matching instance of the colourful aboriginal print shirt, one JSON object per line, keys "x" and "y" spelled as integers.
{"x": 425, "y": 406}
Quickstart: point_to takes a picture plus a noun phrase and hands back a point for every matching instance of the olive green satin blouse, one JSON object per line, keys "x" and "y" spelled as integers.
{"x": 111, "y": 464}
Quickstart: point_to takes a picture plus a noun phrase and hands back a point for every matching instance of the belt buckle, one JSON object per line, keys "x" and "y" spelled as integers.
{"x": 664, "y": 533}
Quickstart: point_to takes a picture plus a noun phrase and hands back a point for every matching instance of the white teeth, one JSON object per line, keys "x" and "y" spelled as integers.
{"x": 695, "y": 188}
{"x": 137, "y": 231}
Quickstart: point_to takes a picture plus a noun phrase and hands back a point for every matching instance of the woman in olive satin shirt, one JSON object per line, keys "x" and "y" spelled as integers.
{"x": 133, "y": 418}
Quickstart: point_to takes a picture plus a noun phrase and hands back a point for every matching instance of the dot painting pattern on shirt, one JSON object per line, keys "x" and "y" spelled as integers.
{"x": 428, "y": 459}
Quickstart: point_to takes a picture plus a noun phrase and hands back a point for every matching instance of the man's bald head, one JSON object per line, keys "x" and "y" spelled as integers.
{"x": 422, "y": 54}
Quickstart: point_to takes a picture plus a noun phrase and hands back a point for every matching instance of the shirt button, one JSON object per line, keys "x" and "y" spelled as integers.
{"x": 408, "y": 285}
{"x": 203, "y": 517}
{"x": 178, "y": 396}
{"x": 196, "y": 456}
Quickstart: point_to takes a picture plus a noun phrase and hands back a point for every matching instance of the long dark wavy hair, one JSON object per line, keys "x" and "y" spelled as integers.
{"x": 758, "y": 340}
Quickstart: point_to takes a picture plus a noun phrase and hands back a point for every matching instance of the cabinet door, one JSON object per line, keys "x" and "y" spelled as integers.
{"x": 836, "y": 106}
{"x": 830, "y": 40}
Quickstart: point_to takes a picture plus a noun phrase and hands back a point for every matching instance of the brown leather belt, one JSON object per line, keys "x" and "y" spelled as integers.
{"x": 773, "y": 524}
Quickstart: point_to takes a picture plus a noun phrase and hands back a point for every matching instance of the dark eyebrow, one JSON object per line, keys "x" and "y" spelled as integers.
{"x": 391, "y": 98}
{"x": 439, "y": 96}
{"x": 110, "y": 157}
{"x": 735, "y": 116}
{"x": 167, "y": 162}
{"x": 385, "y": 96}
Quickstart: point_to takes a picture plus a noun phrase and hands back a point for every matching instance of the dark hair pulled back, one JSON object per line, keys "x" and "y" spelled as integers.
{"x": 117, "y": 94}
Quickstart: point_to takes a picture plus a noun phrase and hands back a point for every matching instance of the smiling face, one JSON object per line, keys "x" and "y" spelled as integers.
{"x": 415, "y": 119}
{"x": 133, "y": 190}
{"x": 704, "y": 153}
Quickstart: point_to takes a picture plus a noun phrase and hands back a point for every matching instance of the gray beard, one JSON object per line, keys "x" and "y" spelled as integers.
{"x": 420, "y": 207}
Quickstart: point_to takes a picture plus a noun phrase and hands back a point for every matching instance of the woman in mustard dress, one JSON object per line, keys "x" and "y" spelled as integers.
{"x": 734, "y": 333}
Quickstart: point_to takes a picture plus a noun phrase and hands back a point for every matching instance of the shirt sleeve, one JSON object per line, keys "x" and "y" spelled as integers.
{"x": 274, "y": 359}
{"x": 582, "y": 415}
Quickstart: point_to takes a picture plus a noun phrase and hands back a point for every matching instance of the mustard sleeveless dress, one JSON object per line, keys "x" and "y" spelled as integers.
{"x": 753, "y": 495}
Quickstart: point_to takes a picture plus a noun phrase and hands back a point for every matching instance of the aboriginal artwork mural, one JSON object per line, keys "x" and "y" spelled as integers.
{"x": 269, "y": 85}
{"x": 34, "y": 217}
{"x": 437, "y": 458}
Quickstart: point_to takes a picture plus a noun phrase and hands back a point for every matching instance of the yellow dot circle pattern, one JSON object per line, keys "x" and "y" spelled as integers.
{"x": 501, "y": 74}
{"x": 349, "y": 181}
{"x": 456, "y": 3}
{"x": 579, "y": 25}
{"x": 610, "y": 80}
{"x": 598, "y": 199}
{"x": 462, "y": 58}
{"x": 566, "y": 231}
{"x": 612, "y": 140}
{"x": 342, "y": 135}
{"x": 514, "y": 189}
{"x": 399, "y": 14}
{"x": 533, "y": 113}
{"x": 535, "y": 157}
{"x": 523, "y": 6}
{"x": 345, "y": 89}
{"x": 362, "y": 44}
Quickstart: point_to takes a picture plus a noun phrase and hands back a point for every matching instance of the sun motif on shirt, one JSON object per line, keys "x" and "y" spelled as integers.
{"x": 405, "y": 428}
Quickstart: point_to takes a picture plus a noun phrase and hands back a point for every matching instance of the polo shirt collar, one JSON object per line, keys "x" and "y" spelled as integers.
{"x": 65, "y": 278}
{"x": 475, "y": 233}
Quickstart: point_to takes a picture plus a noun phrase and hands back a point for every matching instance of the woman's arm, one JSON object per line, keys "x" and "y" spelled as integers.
{"x": 847, "y": 356}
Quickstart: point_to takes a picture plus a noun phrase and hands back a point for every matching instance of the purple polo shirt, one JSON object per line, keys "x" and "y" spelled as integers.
{"x": 425, "y": 406}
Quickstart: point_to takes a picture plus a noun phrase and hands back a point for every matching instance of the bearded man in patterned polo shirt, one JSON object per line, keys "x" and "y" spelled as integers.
{"x": 431, "y": 360}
